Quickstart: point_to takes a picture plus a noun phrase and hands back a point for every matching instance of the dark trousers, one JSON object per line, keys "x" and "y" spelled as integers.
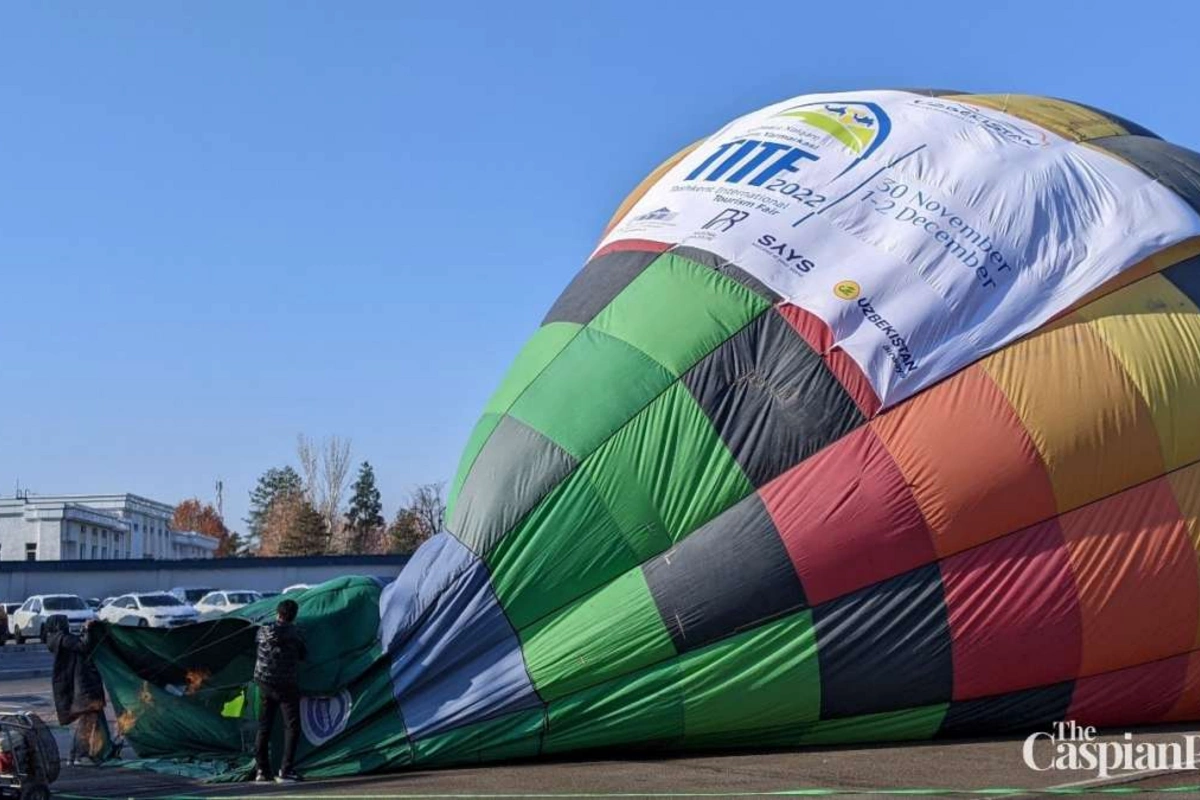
{"x": 286, "y": 700}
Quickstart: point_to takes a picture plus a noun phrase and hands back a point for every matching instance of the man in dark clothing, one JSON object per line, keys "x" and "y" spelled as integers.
{"x": 280, "y": 651}
{"x": 79, "y": 690}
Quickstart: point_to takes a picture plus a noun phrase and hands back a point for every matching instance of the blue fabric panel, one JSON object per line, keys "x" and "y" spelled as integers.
{"x": 455, "y": 658}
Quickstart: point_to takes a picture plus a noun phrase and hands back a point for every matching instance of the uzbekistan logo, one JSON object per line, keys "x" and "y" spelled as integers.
{"x": 847, "y": 290}
{"x": 859, "y": 127}
{"x": 663, "y": 214}
{"x": 322, "y": 718}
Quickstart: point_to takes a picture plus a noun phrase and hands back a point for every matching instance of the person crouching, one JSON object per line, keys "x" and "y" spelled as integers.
{"x": 276, "y": 671}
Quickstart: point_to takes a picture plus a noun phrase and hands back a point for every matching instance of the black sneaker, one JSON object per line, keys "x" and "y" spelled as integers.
{"x": 287, "y": 777}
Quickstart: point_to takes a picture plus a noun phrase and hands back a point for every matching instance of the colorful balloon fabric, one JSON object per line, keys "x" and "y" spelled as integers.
{"x": 872, "y": 417}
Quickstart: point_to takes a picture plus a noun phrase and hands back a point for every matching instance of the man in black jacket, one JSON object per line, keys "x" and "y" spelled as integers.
{"x": 280, "y": 651}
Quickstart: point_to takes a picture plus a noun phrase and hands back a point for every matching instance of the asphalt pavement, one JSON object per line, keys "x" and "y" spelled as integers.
{"x": 927, "y": 769}
{"x": 19, "y": 661}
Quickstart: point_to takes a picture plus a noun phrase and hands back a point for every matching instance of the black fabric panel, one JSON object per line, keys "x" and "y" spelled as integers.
{"x": 1128, "y": 124}
{"x": 600, "y": 280}
{"x": 729, "y": 575}
{"x": 771, "y": 397}
{"x": 1186, "y": 277}
{"x": 1013, "y": 712}
{"x": 728, "y": 269}
{"x": 516, "y": 468}
{"x": 1173, "y": 166}
{"x": 885, "y": 647}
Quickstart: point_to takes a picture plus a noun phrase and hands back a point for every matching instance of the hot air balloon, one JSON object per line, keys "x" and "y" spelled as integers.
{"x": 871, "y": 418}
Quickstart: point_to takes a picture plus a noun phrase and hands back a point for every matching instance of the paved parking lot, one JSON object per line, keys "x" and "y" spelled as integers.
{"x": 939, "y": 768}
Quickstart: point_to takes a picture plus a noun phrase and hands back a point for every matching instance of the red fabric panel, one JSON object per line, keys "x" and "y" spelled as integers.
{"x": 1135, "y": 570}
{"x": 814, "y": 331}
{"x": 1014, "y": 613}
{"x": 642, "y": 245}
{"x": 847, "y": 518}
{"x": 1135, "y": 695}
{"x": 1187, "y": 705}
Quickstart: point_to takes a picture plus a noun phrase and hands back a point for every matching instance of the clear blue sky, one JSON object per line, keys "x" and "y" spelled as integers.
{"x": 225, "y": 223}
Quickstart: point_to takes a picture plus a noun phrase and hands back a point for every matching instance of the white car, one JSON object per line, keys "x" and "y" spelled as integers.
{"x": 153, "y": 610}
{"x": 214, "y": 604}
{"x": 29, "y": 621}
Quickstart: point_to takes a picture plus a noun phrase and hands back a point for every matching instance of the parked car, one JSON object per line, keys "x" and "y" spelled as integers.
{"x": 93, "y": 603}
{"x": 151, "y": 610}
{"x": 5, "y": 610}
{"x": 214, "y": 604}
{"x": 190, "y": 594}
{"x": 29, "y": 621}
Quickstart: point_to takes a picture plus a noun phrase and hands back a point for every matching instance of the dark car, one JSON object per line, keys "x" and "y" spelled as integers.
{"x": 5, "y": 610}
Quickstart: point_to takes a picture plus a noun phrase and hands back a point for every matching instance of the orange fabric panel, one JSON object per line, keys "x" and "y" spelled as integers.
{"x": 1154, "y": 331}
{"x": 1135, "y": 571}
{"x": 1083, "y": 413}
{"x": 1156, "y": 263}
{"x": 966, "y": 455}
{"x": 1185, "y": 485}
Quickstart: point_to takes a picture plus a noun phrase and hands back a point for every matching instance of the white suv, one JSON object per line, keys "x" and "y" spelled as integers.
{"x": 29, "y": 621}
{"x": 215, "y": 604}
{"x": 153, "y": 610}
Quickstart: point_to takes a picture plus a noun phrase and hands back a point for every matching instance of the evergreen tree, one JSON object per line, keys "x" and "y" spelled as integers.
{"x": 275, "y": 482}
{"x": 366, "y": 510}
{"x": 308, "y": 536}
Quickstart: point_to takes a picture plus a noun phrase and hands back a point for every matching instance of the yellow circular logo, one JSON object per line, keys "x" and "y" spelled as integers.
{"x": 847, "y": 290}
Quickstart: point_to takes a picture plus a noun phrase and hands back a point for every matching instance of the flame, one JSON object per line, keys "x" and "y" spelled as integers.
{"x": 196, "y": 679}
{"x": 145, "y": 696}
{"x": 126, "y": 721}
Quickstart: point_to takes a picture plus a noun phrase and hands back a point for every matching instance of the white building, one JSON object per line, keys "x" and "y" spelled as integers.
{"x": 94, "y": 526}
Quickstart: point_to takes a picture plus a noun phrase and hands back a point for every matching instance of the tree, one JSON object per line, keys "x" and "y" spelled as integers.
{"x": 293, "y": 528}
{"x": 366, "y": 510}
{"x": 423, "y": 517}
{"x": 325, "y": 469}
{"x": 192, "y": 515}
{"x": 275, "y": 482}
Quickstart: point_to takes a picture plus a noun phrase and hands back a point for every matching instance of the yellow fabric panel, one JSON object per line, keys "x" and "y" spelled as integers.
{"x": 645, "y": 185}
{"x": 1154, "y": 331}
{"x": 1180, "y": 251}
{"x": 1084, "y": 414}
{"x": 1066, "y": 119}
{"x": 1185, "y": 484}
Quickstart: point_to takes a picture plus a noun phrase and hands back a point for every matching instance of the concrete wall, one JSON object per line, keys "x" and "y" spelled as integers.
{"x": 19, "y": 580}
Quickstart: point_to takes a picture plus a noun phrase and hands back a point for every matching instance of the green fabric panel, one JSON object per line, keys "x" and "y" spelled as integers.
{"x": 666, "y": 473}
{"x": 566, "y": 547}
{"x": 613, "y": 631}
{"x": 479, "y": 436}
{"x": 762, "y": 679}
{"x": 595, "y": 386}
{"x": 641, "y": 709}
{"x": 677, "y": 311}
{"x": 515, "y": 735}
{"x": 374, "y": 737}
{"x": 546, "y": 343}
{"x": 922, "y": 722}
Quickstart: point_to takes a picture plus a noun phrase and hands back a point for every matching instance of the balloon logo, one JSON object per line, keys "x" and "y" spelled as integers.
{"x": 847, "y": 290}
{"x": 322, "y": 718}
